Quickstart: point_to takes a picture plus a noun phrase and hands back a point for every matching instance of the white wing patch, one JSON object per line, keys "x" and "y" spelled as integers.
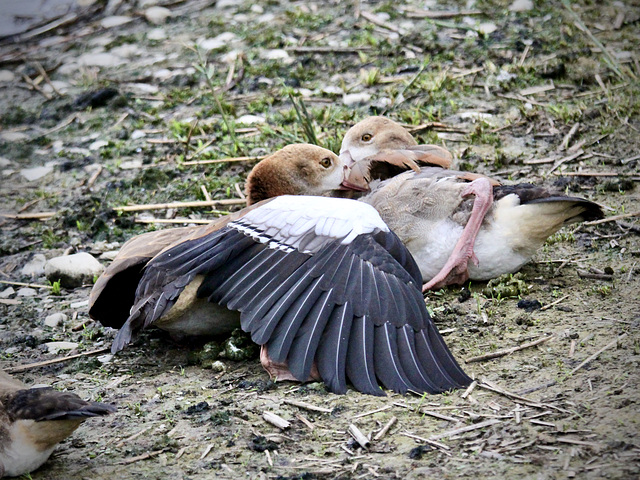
{"x": 307, "y": 223}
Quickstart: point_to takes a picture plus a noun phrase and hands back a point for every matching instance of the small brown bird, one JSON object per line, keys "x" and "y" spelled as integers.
{"x": 34, "y": 420}
{"x": 499, "y": 230}
{"x": 316, "y": 281}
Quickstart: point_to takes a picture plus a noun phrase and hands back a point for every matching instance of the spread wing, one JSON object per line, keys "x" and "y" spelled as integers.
{"x": 315, "y": 279}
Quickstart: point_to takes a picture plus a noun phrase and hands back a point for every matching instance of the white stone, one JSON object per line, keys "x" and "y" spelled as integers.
{"x": 73, "y": 270}
{"x": 156, "y": 34}
{"x": 14, "y": 136}
{"x": 487, "y": 27}
{"x": 157, "y": 15}
{"x": 231, "y": 57}
{"x": 356, "y": 98}
{"x": 250, "y": 120}
{"x": 5, "y": 162}
{"x": 7, "y": 292}
{"x": 7, "y": 172}
{"x": 27, "y": 292}
{"x": 130, "y": 164}
{"x": 215, "y": 43}
{"x": 257, "y": 8}
{"x": 100, "y": 60}
{"x": 276, "y": 54}
{"x": 114, "y": 21}
{"x": 106, "y": 358}
{"x": 127, "y": 50}
{"x": 36, "y": 173}
{"x": 55, "y": 347}
{"x": 97, "y": 145}
{"x": 60, "y": 86}
{"x": 147, "y": 3}
{"x": 304, "y": 92}
{"x": 55, "y": 319}
{"x": 82, "y": 304}
{"x": 162, "y": 74}
{"x": 504, "y": 76}
{"x": 332, "y": 90}
{"x": 142, "y": 88}
{"x": 110, "y": 255}
{"x": 521, "y": 6}
{"x": 137, "y": 134}
{"x": 7, "y": 76}
{"x": 35, "y": 266}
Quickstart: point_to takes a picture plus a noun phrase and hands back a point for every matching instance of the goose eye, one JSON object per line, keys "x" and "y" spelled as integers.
{"x": 366, "y": 137}
{"x": 325, "y": 162}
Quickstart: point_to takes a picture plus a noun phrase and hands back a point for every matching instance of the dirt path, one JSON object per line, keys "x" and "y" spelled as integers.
{"x": 524, "y": 96}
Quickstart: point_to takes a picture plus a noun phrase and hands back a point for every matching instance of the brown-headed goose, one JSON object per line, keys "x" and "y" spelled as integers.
{"x": 34, "y": 420}
{"x": 313, "y": 279}
{"x": 499, "y": 230}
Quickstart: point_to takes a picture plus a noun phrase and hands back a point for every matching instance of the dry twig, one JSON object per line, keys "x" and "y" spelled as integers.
{"x": 22, "y": 368}
{"x": 507, "y": 351}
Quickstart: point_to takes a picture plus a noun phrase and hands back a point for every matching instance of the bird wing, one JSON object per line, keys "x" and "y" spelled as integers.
{"x": 315, "y": 279}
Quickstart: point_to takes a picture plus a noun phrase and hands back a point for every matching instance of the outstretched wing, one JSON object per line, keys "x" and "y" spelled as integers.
{"x": 315, "y": 279}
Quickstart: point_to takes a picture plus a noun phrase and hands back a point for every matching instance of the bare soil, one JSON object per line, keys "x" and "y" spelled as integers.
{"x": 534, "y": 414}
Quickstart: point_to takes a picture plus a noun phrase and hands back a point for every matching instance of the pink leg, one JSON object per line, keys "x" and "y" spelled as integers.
{"x": 455, "y": 270}
{"x": 280, "y": 371}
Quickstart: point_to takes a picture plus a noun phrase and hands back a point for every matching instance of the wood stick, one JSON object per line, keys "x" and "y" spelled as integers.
{"x": 595, "y": 276}
{"x": 21, "y": 284}
{"x": 470, "y": 389}
{"x": 386, "y": 428}
{"x": 441, "y": 14}
{"x": 564, "y": 160}
{"x": 94, "y": 177}
{"x": 469, "y": 428}
{"x": 567, "y": 138}
{"x": 194, "y": 204}
{"x": 144, "y": 456}
{"x": 613, "y": 218}
{"x": 527, "y": 401}
{"x": 343, "y": 50}
{"x": 359, "y": 437}
{"x": 223, "y": 160}
{"x": 507, "y": 351}
{"x": 205, "y": 192}
{"x": 371, "y": 412}
{"x": 29, "y": 216}
{"x": 22, "y": 368}
{"x": 426, "y": 440}
{"x": 307, "y": 423}
{"x": 546, "y": 307}
{"x": 439, "y": 415}
{"x": 276, "y": 420}
{"x": 201, "y": 221}
{"x": 595, "y": 355}
{"x": 307, "y": 406}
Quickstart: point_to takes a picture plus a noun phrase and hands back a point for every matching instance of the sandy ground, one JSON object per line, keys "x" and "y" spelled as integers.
{"x": 540, "y": 412}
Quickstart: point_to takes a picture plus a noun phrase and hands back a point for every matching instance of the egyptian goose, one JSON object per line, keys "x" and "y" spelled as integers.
{"x": 34, "y": 420}
{"x": 499, "y": 230}
{"x": 321, "y": 284}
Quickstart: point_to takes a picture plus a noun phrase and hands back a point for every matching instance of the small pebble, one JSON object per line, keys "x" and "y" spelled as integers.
{"x": 521, "y": 6}
{"x": 157, "y": 15}
{"x": 55, "y": 347}
{"x": 27, "y": 292}
{"x": 35, "y": 266}
{"x": 55, "y": 319}
{"x": 73, "y": 270}
{"x": 356, "y": 99}
{"x": 7, "y": 292}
